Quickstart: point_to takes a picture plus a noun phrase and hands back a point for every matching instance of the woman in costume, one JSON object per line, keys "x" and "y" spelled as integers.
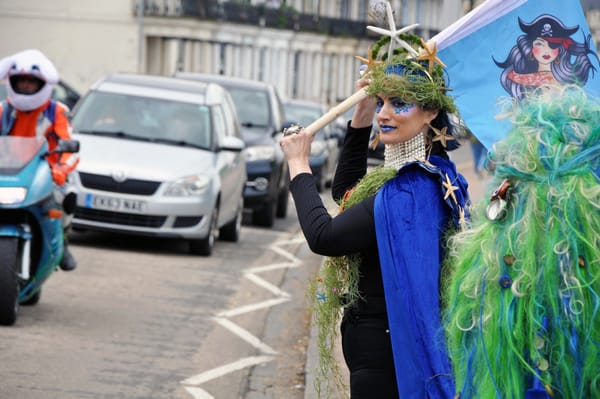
{"x": 385, "y": 246}
{"x": 522, "y": 306}
{"x": 545, "y": 55}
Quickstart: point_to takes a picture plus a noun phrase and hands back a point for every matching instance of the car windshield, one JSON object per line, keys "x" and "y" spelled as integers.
{"x": 144, "y": 118}
{"x": 303, "y": 115}
{"x": 252, "y": 106}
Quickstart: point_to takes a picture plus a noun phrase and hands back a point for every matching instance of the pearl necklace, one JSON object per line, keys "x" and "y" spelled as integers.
{"x": 396, "y": 155}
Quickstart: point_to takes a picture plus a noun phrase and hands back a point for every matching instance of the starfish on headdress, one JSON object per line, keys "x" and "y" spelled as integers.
{"x": 370, "y": 62}
{"x": 450, "y": 189}
{"x": 441, "y": 136}
{"x": 430, "y": 55}
{"x": 393, "y": 33}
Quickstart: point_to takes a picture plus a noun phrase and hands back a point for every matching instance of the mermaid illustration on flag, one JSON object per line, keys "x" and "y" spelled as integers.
{"x": 546, "y": 55}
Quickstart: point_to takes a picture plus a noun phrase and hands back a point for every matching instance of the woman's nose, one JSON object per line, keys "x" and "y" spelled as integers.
{"x": 384, "y": 111}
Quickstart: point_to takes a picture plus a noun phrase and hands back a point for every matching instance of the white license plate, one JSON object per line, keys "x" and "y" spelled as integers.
{"x": 114, "y": 204}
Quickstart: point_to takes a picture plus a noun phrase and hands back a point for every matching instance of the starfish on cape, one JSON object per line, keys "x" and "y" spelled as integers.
{"x": 393, "y": 33}
{"x": 441, "y": 136}
{"x": 370, "y": 62}
{"x": 450, "y": 189}
{"x": 430, "y": 55}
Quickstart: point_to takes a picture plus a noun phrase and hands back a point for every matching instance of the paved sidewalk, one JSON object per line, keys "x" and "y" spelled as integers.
{"x": 477, "y": 190}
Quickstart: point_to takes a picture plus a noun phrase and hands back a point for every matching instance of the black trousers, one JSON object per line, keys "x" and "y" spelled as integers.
{"x": 368, "y": 353}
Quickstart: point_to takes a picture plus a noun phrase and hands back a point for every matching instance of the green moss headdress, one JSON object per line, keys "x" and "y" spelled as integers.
{"x": 419, "y": 79}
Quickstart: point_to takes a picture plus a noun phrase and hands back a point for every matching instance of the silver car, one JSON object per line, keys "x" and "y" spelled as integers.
{"x": 159, "y": 157}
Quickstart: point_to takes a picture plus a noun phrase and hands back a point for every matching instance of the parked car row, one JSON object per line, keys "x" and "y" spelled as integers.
{"x": 182, "y": 157}
{"x": 262, "y": 116}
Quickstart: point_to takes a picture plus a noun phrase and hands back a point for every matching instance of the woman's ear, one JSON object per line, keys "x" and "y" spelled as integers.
{"x": 430, "y": 114}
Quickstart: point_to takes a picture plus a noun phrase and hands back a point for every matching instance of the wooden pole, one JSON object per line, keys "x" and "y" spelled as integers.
{"x": 336, "y": 112}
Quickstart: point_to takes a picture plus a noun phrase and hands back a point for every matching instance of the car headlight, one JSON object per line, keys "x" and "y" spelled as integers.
{"x": 188, "y": 186}
{"x": 12, "y": 195}
{"x": 317, "y": 147}
{"x": 260, "y": 152}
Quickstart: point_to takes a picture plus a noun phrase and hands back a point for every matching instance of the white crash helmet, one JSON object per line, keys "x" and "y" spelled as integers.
{"x": 28, "y": 63}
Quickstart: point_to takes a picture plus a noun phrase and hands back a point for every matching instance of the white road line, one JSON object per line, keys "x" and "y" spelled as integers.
{"x": 199, "y": 393}
{"x": 275, "y": 247}
{"x": 226, "y": 369}
{"x": 245, "y": 335}
{"x": 266, "y": 285}
{"x": 252, "y": 308}
{"x": 273, "y": 266}
{"x": 222, "y": 319}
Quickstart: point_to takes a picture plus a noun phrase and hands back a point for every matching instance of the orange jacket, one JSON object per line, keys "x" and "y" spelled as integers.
{"x": 32, "y": 123}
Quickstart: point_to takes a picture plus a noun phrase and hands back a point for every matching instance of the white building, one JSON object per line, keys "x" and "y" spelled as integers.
{"x": 88, "y": 38}
{"x": 307, "y": 51}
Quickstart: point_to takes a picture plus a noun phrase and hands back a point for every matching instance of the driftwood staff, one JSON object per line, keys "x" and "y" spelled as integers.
{"x": 330, "y": 115}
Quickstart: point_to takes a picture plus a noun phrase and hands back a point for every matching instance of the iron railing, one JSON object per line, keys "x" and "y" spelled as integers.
{"x": 233, "y": 12}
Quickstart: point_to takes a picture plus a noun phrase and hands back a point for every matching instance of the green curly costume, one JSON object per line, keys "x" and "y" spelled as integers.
{"x": 522, "y": 297}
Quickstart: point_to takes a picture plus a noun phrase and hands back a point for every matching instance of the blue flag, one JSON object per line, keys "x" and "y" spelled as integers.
{"x": 506, "y": 50}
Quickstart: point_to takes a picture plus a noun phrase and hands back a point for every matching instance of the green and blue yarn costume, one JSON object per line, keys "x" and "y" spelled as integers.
{"x": 522, "y": 300}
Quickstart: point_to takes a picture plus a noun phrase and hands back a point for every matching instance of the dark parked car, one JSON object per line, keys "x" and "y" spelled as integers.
{"x": 62, "y": 92}
{"x": 261, "y": 114}
{"x": 325, "y": 148}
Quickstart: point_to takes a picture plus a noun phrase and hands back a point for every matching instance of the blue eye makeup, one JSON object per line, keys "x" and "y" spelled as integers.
{"x": 378, "y": 105}
{"x": 400, "y": 107}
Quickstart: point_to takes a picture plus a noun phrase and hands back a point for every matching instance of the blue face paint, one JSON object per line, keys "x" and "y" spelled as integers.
{"x": 400, "y": 107}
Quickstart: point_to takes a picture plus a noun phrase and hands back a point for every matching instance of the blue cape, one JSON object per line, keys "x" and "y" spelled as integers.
{"x": 411, "y": 219}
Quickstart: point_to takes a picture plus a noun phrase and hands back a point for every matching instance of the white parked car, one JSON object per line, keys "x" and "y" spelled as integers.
{"x": 159, "y": 157}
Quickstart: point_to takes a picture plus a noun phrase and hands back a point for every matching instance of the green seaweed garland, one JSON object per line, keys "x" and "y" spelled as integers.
{"x": 415, "y": 84}
{"x": 335, "y": 287}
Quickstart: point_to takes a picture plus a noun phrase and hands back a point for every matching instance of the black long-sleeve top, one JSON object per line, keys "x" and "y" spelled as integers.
{"x": 351, "y": 231}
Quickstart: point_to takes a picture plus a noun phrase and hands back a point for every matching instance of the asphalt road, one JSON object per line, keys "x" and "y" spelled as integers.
{"x": 142, "y": 319}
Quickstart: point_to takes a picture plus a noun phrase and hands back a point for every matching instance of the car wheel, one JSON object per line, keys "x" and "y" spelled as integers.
{"x": 265, "y": 216}
{"x": 282, "y": 202}
{"x": 204, "y": 246}
{"x": 231, "y": 231}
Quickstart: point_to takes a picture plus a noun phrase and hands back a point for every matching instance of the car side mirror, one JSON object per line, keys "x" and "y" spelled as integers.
{"x": 231, "y": 143}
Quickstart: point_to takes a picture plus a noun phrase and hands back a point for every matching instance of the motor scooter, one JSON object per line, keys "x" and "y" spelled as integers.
{"x": 31, "y": 231}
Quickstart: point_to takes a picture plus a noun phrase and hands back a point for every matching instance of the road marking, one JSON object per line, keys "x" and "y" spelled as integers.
{"x": 266, "y": 285}
{"x": 226, "y": 369}
{"x": 199, "y": 393}
{"x": 245, "y": 335}
{"x": 253, "y": 307}
{"x": 222, "y": 318}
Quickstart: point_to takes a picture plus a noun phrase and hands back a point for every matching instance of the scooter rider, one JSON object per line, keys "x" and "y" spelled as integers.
{"x": 29, "y": 111}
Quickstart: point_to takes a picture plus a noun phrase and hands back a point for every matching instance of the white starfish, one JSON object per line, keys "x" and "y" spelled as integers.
{"x": 393, "y": 33}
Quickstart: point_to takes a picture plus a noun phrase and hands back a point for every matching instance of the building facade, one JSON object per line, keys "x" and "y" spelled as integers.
{"x": 306, "y": 48}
